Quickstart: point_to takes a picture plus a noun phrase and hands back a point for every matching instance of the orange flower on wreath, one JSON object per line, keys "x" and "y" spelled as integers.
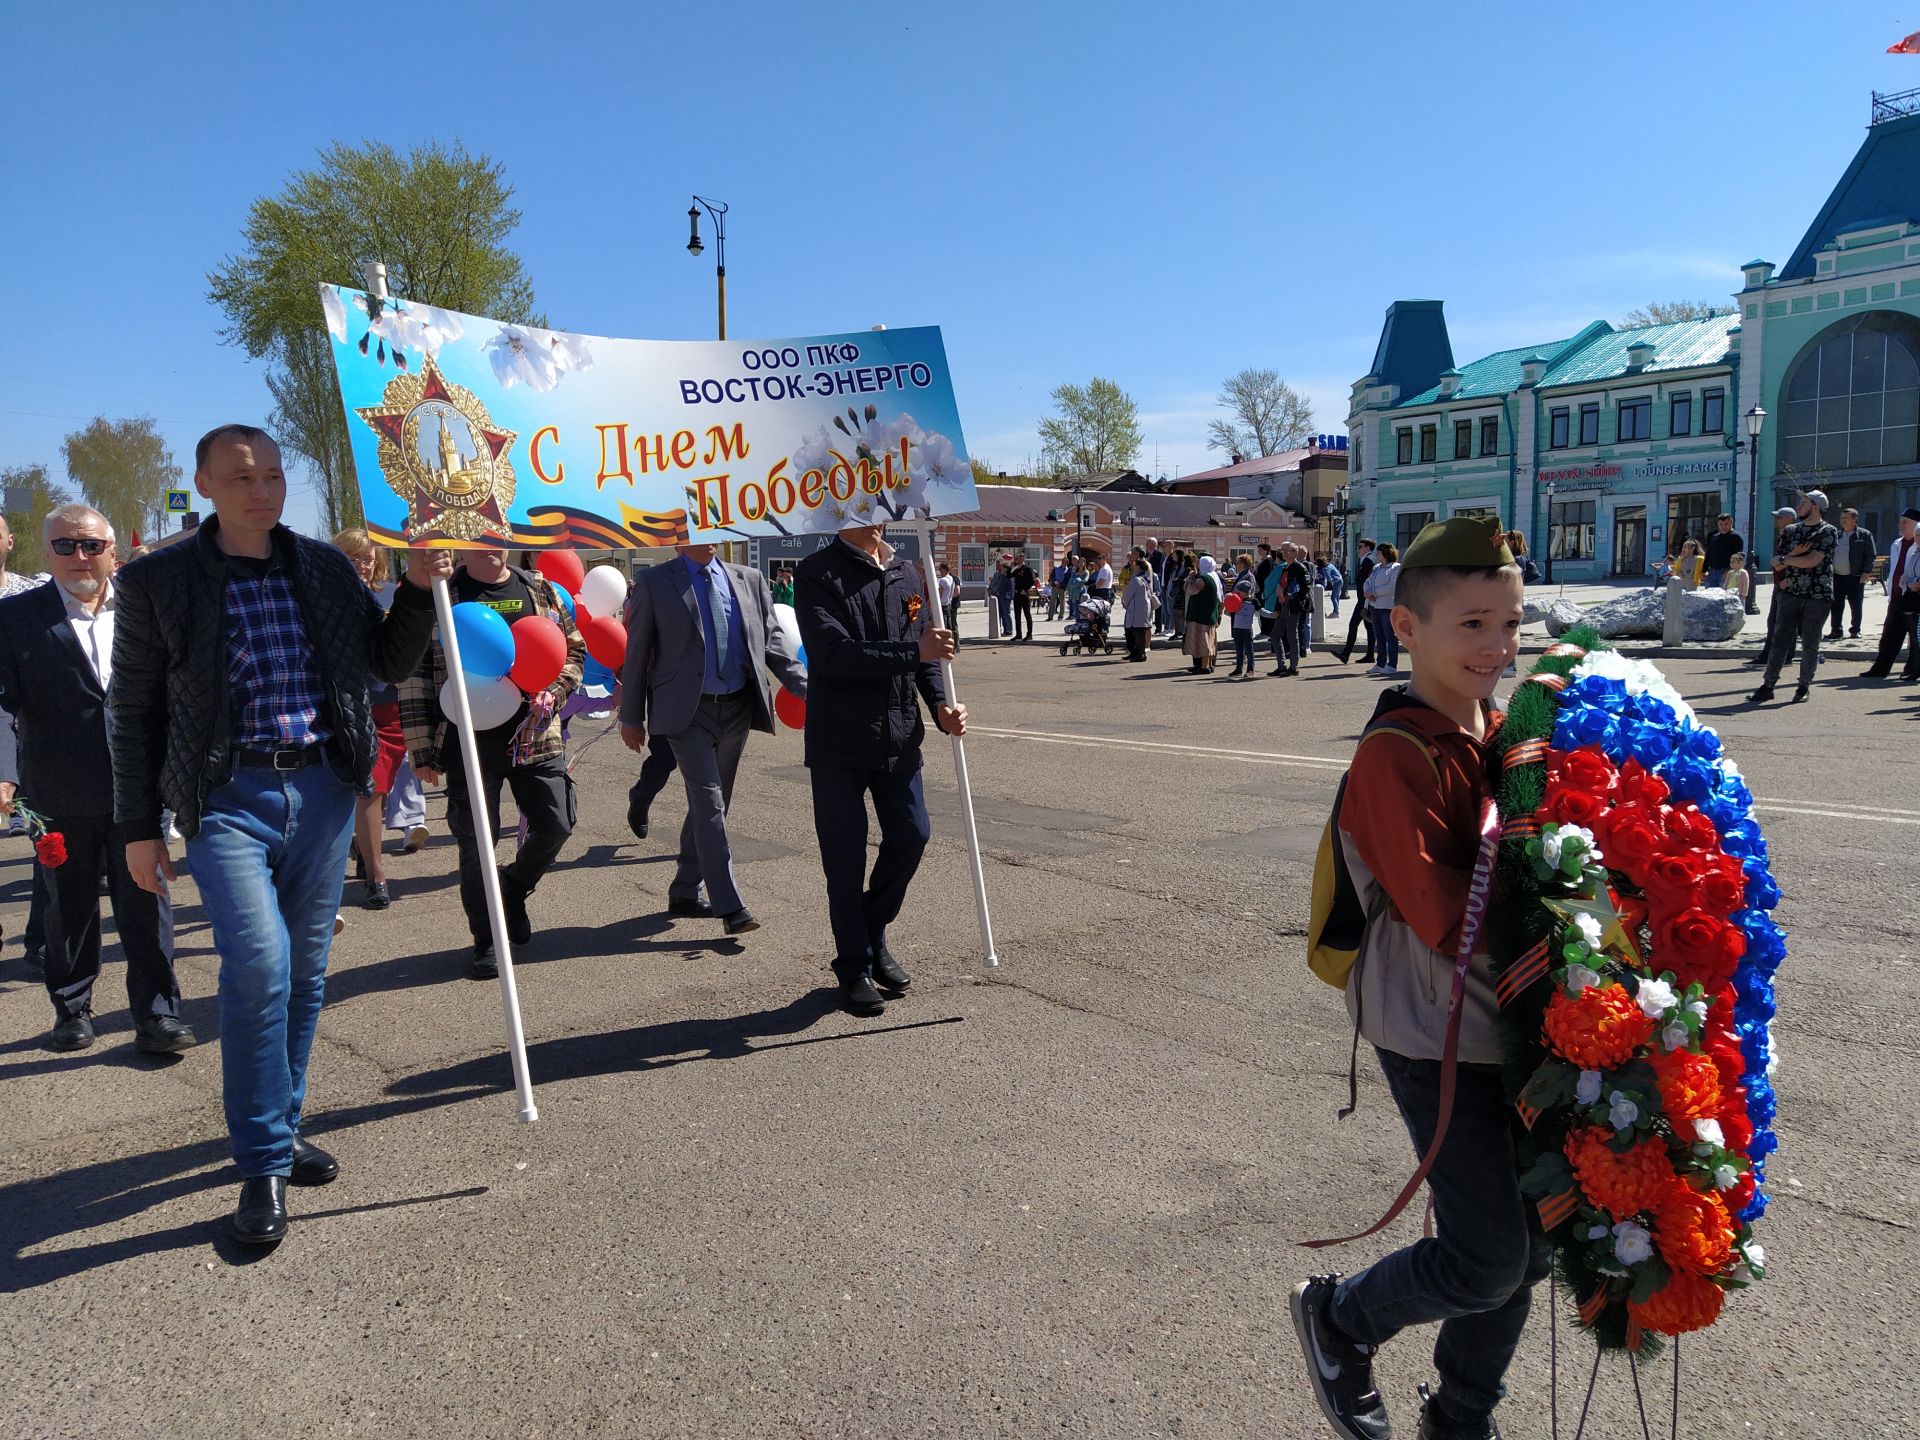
{"x": 1692, "y": 1230}
{"x": 1689, "y": 1087}
{"x": 1621, "y": 1184}
{"x": 1686, "y": 1302}
{"x": 1597, "y": 1029}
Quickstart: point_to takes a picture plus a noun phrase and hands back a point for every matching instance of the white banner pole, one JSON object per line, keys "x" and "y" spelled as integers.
{"x": 376, "y": 281}
{"x": 925, "y": 532}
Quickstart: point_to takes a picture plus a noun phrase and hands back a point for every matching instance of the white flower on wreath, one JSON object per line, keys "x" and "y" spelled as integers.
{"x": 1621, "y": 1111}
{"x": 1580, "y": 979}
{"x": 1587, "y": 1089}
{"x": 1725, "y": 1177}
{"x": 1552, "y": 842}
{"x": 1656, "y": 997}
{"x": 1631, "y": 1243}
{"x": 1674, "y": 1037}
{"x": 1590, "y": 932}
{"x": 1709, "y": 1133}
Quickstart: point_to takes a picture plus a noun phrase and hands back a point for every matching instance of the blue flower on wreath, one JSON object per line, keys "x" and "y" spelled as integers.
{"x": 1763, "y": 893}
{"x": 1689, "y": 777}
{"x": 1743, "y": 838}
{"x": 1578, "y": 725}
{"x": 1649, "y": 710}
{"x": 1649, "y": 744}
{"x": 1700, "y": 743}
{"x": 1766, "y": 941}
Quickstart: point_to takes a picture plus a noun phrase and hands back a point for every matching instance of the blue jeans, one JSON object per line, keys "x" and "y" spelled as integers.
{"x": 270, "y": 858}
{"x": 1476, "y": 1277}
{"x": 1386, "y": 642}
{"x": 1243, "y": 649}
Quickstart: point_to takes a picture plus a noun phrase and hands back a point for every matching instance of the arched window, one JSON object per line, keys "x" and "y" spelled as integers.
{"x": 1852, "y": 401}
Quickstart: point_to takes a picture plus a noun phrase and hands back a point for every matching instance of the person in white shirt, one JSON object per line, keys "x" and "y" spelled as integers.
{"x": 56, "y": 667}
{"x": 949, "y": 599}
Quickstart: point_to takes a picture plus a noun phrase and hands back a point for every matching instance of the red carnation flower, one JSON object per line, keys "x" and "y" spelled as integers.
{"x": 51, "y": 849}
{"x": 1686, "y": 1302}
{"x": 1689, "y": 1087}
{"x": 1696, "y": 946}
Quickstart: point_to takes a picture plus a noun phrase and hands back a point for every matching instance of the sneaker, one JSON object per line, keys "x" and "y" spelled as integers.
{"x": 417, "y": 839}
{"x": 1436, "y": 1424}
{"x": 339, "y": 922}
{"x": 1340, "y": 1368}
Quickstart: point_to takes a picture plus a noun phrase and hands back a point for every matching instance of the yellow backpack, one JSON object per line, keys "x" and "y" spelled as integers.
{"x": 1336, "y": 920}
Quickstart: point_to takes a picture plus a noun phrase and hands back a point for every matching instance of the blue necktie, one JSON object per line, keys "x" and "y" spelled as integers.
{"x": 716, "y": 631}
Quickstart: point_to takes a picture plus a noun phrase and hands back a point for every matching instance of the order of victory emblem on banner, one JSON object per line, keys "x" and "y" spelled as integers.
{"x": 443, "y": 456}
{"x": 468, "y": 431}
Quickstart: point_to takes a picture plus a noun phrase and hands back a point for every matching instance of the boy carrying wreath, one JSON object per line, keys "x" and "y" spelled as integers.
{"x": 1415, "y": 829}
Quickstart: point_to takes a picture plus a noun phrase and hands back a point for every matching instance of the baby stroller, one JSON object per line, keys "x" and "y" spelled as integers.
{"x": 1088, "y": 634}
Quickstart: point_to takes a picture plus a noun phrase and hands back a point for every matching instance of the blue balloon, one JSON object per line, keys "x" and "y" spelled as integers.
{"x": 801, "y": 655}
{"x": 486, "y": 640}
{"x": 593, "y": 673}
{"x": 566, "y": 600}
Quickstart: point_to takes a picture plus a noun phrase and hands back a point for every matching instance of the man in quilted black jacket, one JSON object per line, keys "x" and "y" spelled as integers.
{"x": 239, "y": 700}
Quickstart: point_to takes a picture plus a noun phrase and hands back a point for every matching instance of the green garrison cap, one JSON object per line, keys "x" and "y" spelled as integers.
{"x": 1469, "y": 541}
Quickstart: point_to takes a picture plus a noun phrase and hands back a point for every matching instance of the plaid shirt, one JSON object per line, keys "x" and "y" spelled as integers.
{"x": 273, "y": 685}
{"x": 430, "y": 742}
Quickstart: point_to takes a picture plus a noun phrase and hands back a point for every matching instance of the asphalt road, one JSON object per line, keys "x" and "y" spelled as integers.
{"x": 1056, "y": 1198}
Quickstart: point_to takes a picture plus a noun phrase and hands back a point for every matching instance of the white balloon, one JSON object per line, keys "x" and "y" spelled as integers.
{"x": 604, "y": 591}
{"x": 493, "y": 702}
{"x": 789, "y": 624}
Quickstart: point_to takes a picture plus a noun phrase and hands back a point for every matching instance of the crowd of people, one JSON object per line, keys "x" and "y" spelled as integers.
{"x": 273, "y": 702}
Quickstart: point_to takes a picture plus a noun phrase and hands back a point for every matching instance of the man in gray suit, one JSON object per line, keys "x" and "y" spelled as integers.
{"x": 700, "y": 639}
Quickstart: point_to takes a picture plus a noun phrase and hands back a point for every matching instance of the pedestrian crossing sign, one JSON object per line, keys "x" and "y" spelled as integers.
{"x": 178, "y": 501}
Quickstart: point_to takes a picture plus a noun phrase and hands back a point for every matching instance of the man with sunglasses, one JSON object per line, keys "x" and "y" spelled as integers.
{"x": 56, "y": 663}
{"x": 240, "y": 668}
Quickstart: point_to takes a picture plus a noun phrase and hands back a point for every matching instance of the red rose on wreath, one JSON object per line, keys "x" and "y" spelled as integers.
{"x": 1634, "y": 835}
{"x": 1568, "y": 806}
{"x": 1736, "y": 1126}
{"x": 1697, "y": 946}
{"x": 51, "y": 849}
{"x": 1670, "y": 879}
{"x": 1688, "y": 826}
{"x": 1723, "y": 886}
{"x": 1640, "y": 786}
{"x": 1583, "y": 769}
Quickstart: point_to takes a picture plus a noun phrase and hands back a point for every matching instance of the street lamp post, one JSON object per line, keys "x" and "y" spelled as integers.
{"x": 1079, "y": 520}
{"x": 1549, "y": 532}
{"x": 1131, "y": 516}
{"x": 718, "y": 210}
{"x": 1756, "y": 419}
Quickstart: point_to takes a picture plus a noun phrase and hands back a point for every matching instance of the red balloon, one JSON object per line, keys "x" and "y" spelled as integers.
{"x": 790, "y": 708}
{"x": 563, "y": 568}
{"x": 606, "y": 640}
{"x": 1234, "y": 602}
{"x": 539, "y": 653}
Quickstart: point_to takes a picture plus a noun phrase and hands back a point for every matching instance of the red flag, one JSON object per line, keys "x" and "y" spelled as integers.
{"x": 1908, "y": 46}
{"x": 136, "y": 539}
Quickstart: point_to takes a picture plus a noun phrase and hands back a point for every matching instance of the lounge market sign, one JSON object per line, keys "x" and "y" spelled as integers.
{"x": 1647, "y": 470}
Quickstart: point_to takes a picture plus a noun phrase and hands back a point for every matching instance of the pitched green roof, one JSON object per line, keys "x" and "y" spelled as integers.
{"x": 1494, "y": 374}
{"x": 1679, "y": 346}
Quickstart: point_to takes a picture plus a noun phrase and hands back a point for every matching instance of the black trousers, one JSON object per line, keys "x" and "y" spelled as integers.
{"x": 544, "y": 792}
{"x": 655, "y": 771}
{"x": 860, "y": 905}
{"x": 1848, "y": 591}
{"x": 1361, "y": 616}
{"x": 96, "y": 846}
{"x": 1903, "y": 615}
{"x": 1023, "y": 617}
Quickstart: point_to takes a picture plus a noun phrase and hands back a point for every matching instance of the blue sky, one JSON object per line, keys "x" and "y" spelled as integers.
{"x": 1161, "y": 194}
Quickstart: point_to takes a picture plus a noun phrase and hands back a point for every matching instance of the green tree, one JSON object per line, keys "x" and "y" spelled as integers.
{"x": 1097, "y": 428}
{"x": 1665, "y": 312}
{"x": 438, "y": 217}
{"x": 124, "y": 470}
{"x": 1266, "y": 416}
{"x": 30, "y": 494}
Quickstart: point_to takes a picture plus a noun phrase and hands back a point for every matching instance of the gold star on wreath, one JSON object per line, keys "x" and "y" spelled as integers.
{"x": 1614, "y": 938}
{"x": 466, "y": 504}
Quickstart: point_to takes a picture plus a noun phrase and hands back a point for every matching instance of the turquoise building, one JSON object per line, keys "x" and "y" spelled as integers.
{"x": 1610, "y": 447}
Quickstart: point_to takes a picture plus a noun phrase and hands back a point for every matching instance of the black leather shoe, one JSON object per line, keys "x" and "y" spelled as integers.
{"x": 1801, "y": 694}
{"x": 637, "y": 820}
{"x": 694, "y": 909}
{"x": 739, "y": 922}
{"x": 261, "y": 1216}
{"x": 513, "y": 900}
{"x": 1436, "y": 1424}
{"x": 1761, "y": 696}
{"x": 163, "y": 1035}
{"x": 378, "y": 896}
{"x": 889, "y": 972}
{"x": 486, "y": 965}
{"x": 311, "y": 1164}
{"x": 36, "y": 963}
{"x": 858, "y": 995}
{"x": 74, "y": 1034}
{"x": 1874, "y": 672}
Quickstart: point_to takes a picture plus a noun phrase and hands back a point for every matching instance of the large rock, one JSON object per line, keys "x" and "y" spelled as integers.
{"x": 1562, "y": 616}
{"x": 1712, "y": 615}
{"x": 1534, "y": 612}
{"x": 1706, "y": 615}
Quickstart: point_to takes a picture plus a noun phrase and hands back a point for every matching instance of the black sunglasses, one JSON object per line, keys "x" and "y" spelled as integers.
{"x": 66, "y": 545}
